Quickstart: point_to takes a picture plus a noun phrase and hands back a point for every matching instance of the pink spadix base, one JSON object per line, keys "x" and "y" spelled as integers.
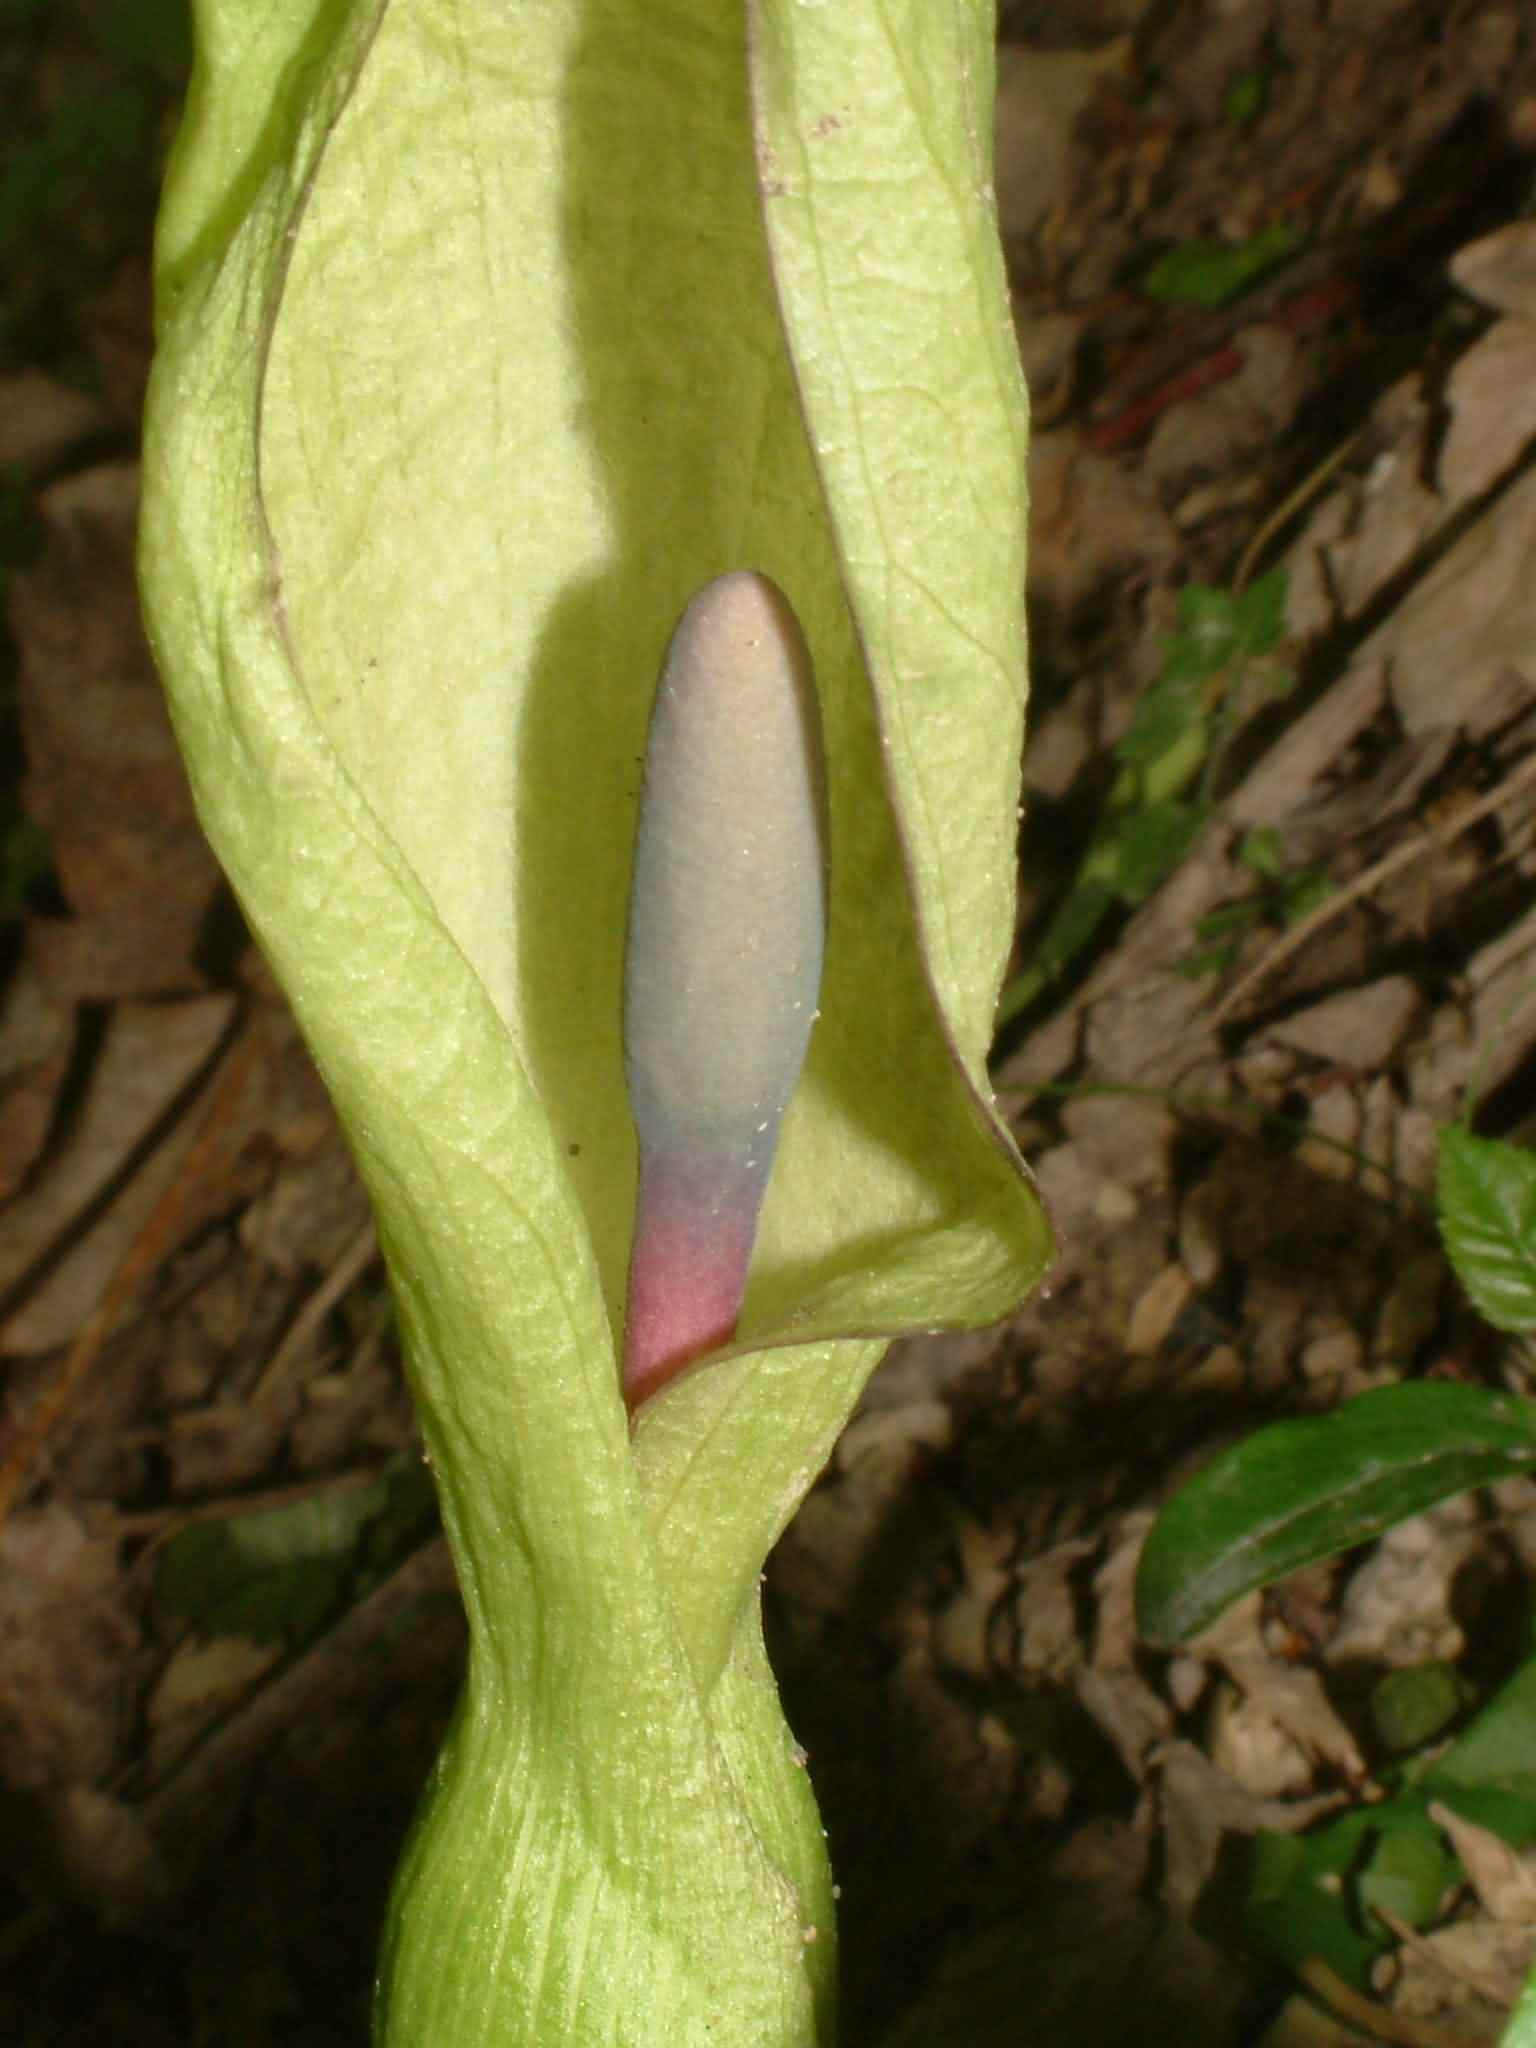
{"x": 687, "y": 1269}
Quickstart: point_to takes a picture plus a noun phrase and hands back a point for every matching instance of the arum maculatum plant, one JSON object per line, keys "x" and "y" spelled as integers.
{"x": 727, "y": 925}
{"x": 508, "y": 355}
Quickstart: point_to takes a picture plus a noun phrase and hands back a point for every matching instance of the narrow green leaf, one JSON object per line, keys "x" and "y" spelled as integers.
{"x": 1259, "y": 612}
{"x": 1485, "y": 1193}
{"x": 1317, "y": 1894}
{"x": 1075, "y": 923}
{"x": 1300, "y": 1900}
{"x": 1407, "y": 1874}
{"x": 1151, "y": 842}
{"x": 277, "y": 1572}
{"x": 1497, "y": 1749}
{"x": 1211, "y": 273}
{"x": 1298, "y": 1491}
{"x": 1412, "y": 1706}
{"x": 1208, "y": 622}
{"x": 210, "y": 1583}
{"x": 1260, "y": 850}
{"x": 1164, "y": 716}
{"x": 1302, "y": 894}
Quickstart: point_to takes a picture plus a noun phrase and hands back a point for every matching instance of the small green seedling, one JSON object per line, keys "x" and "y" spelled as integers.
{"x": 1283, "y": 896}
{"x": 1212, "y": 273}
{"x": 1296, "y": 1492}
{"x": 1300, "y": 1491}
{"x": 1169, "y": 757}
{"x": 1244, "y": 99}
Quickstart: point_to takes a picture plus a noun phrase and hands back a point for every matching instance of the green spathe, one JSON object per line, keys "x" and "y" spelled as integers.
{"x": 473, "y": 368}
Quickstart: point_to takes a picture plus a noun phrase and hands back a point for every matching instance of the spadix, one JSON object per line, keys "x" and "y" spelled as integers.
{"x": 726, "y": 926}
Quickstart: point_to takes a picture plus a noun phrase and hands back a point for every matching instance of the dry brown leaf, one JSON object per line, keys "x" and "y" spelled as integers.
{"x": 65, "y": 1623}
{"x": 1114, "y": 1585}
{"x": 41, "y": 420}
{"x": 1471, "y": 619}
{"x": 1483, "y": 1958}
{"x": 1360, "y": 1028}
{"x": 1368, "y": 530}
{"x": 1492, "y": 398}
{"x": 1217, "y": 431}
{"x": 151, "y": 1052}
{"x": 1397, "y": 1607}
{"x": 1047, "y": 1642}
{"x": 1500, "y": 269}
{"x": 1200, "y": 1804}
{"x": 202, "y": 1683}
{"x": 1041, "y": 94}
{"x": 1293, "y": 1698}
{"x": 1488, "y": 1032}
{"x": 1134, "y": 1719}
{"x": 1090, "y": 521}
{"x": 35, "y": 1035}
{"x": 1501, "y": 1877}
{"x": 101, "y": 1855}
{"x": 104, "y": 778}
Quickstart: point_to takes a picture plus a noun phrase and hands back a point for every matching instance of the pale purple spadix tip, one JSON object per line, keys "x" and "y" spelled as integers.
{"x": 726, "y": 925}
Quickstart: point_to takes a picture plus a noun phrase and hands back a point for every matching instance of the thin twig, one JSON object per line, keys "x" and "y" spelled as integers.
{"x": 1296, "y": 501}
{"x": 1437, "y": 1959}
{"x": 1379, "y": 2022}
{"x": 143, "y": 1258}
{"x": 349, "y": 1267}
{"x": 1286, "y": 947}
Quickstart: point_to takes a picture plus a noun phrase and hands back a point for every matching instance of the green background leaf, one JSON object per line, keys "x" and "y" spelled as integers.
{"x": 1486, "y": 1196}
{"x": 1315, "y": 1894}
{"x": 1497, "y": 1750}
{"x": 1298, "y": 1491}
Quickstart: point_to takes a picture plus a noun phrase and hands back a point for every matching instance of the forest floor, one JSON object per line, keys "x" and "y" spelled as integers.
{"x": 1274, "y": 275}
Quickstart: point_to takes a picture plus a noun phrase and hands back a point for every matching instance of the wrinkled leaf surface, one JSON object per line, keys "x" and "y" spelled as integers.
{"x": 487, "y": 336}
{"x": 1299, "y": 1491}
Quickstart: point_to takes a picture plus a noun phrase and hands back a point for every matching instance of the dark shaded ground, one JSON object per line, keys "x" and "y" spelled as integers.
{"x": 209, "y": 1747}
